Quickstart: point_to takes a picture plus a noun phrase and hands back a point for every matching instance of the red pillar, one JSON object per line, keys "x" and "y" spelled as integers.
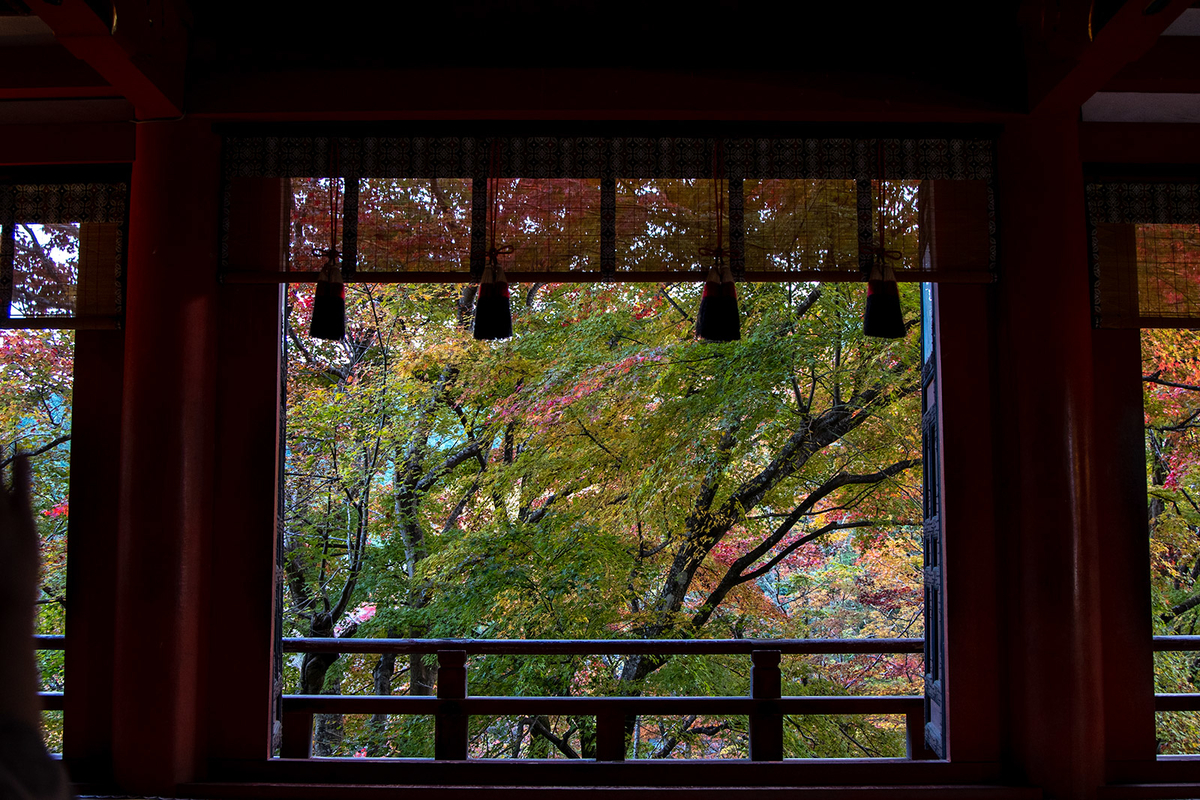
{"x": 242, "y": 607}
{"x": 969, "y": 542}
{"x": 1050, "y": 587}
{"x": 1124, "y": 541}
{"x": 91, "y": 590}
{"x": 166, "y": 457}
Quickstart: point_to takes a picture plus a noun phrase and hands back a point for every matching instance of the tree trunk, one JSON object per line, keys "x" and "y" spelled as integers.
{"x": 422, "y": 676}
{"x": 382, "y": 675}
{"x": 328, "y": 734}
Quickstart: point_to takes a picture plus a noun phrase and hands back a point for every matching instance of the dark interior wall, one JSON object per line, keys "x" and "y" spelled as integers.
{"x": 1049, "y": 626}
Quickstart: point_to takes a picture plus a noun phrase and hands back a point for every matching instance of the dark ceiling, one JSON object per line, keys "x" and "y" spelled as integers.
{"x": 933, "y": 60}
{"x": 972, "y": 47}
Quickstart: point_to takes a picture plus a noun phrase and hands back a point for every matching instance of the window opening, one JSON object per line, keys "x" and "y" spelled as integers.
{"x": 599, "y": 476}
{"x": 934, "y": 690}
{"x": 61, "y": 268}
{"x": 36, "y": 371}
{"x": 1145, "y": 251}
{"x": 1171, "y": 402}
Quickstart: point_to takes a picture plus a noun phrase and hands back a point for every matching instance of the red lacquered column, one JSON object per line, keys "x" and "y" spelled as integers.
{"x": 91, "y": 572}
{"x": 167, "y": 458}
{"x": 1048, "y": 569}
{"x": 242, "y": 605}
{"x": 1124, "y": 540}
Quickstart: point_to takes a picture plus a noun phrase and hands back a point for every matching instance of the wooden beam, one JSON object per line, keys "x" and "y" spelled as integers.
{"x": 1065, "y": 69}
{"x": 151, "y": 79}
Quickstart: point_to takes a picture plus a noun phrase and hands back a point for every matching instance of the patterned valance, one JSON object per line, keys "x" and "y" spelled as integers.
{"x": 1145, "y": 253}
{"x": 613, "y": 157}
{"x": 49, "y": 203}
{"x": 630, "y": 208}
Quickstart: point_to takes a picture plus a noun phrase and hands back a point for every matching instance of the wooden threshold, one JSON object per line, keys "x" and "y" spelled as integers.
{"x": 213, "y": 791}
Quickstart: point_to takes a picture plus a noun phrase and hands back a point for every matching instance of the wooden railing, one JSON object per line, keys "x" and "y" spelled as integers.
{"x": 764, "y": 706}
{"x": 51, "y": 701}
{"x": 1189, "y": 701}
{"x": 453, "y": 705}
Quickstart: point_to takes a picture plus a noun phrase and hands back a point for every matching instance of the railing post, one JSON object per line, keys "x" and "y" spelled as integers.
{"x": 610, "y": 736}
{"x": 914, "y": 739}
{"x": 766, "y": 723}
{"x": 297, "y": 735}
{"x": 450, "y": 723}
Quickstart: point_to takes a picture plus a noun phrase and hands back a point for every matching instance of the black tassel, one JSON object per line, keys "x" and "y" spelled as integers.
{"x": 329, "y": 302}
{"x": 883, "y": 317}
{"x": 718, "y": 320}
{"x": 493, "y": 317}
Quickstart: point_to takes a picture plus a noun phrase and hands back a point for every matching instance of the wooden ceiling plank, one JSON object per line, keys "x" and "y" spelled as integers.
{"x": 89, "y": 38}
{"x": 1171, "y": 65}
{"x": 28, "y": 73}
{"x": 1127, "y": 36}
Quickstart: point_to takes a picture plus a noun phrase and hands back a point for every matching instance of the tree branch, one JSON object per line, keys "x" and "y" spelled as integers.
{"x": 469, "y": 451}
{"x": 32, "y": 453}
{"x": 1155, "y": 379}
{"x": 596, "y": 441}
{"x": 541, "y": 727}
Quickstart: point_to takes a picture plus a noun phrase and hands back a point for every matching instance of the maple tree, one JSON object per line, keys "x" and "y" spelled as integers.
{"x": 600, "y": 475}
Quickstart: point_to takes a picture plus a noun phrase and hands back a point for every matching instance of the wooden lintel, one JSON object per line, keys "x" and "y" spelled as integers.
{"x": 84, "y": 143}
{"x": 616, "y": 93}
{"x": 1139, "y": 143}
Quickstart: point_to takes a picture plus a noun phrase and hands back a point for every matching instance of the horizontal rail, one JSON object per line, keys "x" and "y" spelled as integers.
{"x": 657, "y": 276}
{"x": 60, "y": 323}
{"x": 454, "y": 705}
{"x": 607, "y": 646}
{"x": 477, "y": 705}
{"x": 41, "y": 642}
{"x": 1177, "y": 702}
{"x": 1176, "y": 644}
{"x": 51, "y": 701}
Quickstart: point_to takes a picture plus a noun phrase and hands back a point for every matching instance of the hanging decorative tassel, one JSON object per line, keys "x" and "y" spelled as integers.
{"x": 883, "y": 318}
{"x": 329, "y": 301}
{"x": 717, "y": 319}
{"x": 493, "y": 316}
